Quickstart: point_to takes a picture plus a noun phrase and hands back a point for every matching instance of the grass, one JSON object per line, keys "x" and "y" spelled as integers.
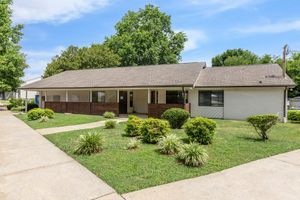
{"x": 235, "y": 143}
{"x": 61, "y": 119}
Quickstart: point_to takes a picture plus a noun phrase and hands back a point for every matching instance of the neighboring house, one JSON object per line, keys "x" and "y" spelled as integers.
{"x": 21, "y": 93}
{"x": 218, "y": 92}
{"x": 294, "y": 103}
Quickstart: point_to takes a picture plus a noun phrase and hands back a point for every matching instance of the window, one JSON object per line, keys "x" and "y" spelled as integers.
{"x": 154, "y": 97}
{"x": 98, "y": 96}
{"x": 211, "y": 98}
{"x": 56, "y": 98}
{"x": 175, "y": 97}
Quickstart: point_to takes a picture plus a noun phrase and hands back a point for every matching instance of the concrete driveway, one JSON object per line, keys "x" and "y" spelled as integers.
{"x": 275, "y": 178}
{"x": 33, "y": 168}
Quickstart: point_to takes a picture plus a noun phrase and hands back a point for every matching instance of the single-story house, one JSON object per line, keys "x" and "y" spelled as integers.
{"x": 294, "y": 103}
{"x": 214, "y": 92}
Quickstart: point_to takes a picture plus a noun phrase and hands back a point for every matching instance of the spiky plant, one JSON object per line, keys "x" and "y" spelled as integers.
{"x": 169, "y": 144}
{"x": 192, "y": 155}
{"x": 90, "y": 143}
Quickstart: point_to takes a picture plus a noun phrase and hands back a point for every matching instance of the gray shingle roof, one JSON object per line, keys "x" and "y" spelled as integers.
{"x": 243, "y": 76}
{"x": 184, "y": 74}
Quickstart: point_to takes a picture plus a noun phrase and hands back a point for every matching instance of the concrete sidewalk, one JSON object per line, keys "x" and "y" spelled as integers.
{"x": 275, "y": 178}
{"x": 33, "y": 168}
{"x": 46, "y": 131}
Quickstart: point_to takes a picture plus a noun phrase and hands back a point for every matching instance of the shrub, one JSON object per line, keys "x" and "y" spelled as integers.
{"x": 35, "y": 113}
{"x": 169, "y": 145}
{"x": 200, "y": 129}
{"x": 90, "y": 143}
{"x": 133, "y": 144}
{"x": 110, "y": 124}
{"x": 262, "y": 123}
{"x": 153, "y": 129}
{"x": 133, "y": 126}
{"x": 31, "y": 105}
{"x": 49, "y": 113}
{"x": 109, "y": 115}
{"x": 176, "y": 117}
{"x": 192, "y": 155}
{"x": 43, "y": 119}
{"x": 14, "y": 103}
{"x": 294, "y": 115}
{"x": 18, "y": 109}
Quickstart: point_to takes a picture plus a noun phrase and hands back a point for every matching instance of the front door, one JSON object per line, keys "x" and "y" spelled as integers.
{"x": 123, "y": 102}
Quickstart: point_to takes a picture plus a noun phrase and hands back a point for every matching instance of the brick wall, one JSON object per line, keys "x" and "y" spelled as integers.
{"x": 156, "y": 110}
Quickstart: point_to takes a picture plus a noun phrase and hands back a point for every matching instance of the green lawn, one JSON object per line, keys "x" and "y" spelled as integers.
{"x": 235, "y": 143}
{"x": 61, "y": 119}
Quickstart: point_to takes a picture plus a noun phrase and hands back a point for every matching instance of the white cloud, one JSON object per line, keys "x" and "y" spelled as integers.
{"x": 278, "y": 27}
{"x": 210, "y": 7}
{"x": 38, "y": 60}
{"x": 32, "y": 11}
{"x": 195, "y": 38}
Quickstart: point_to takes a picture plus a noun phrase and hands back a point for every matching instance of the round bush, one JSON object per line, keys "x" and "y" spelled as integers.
{"x": 90, "y": 143}
{"x": 294, "y": 115}
{"x": 133, "y": 126}
{"x": 109, "y": 115}
{"x": 200, "y": 129}
{"x": 110, "y": 124}
{"x": 153, "y": 129}
{"x": 176, "y": 117}
{"x": 262, "y": 123}
{"x": 35, "y": 113}
{"x": 192, "y": 155}
{"x": 49, "y": 113}
{"x": 169, "y": 145}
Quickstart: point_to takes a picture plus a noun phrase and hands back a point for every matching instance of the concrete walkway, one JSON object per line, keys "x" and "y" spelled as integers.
{"x": 275, "y": 178}
{"x": 46, "y": 131}
{"x": 33, "y": 168}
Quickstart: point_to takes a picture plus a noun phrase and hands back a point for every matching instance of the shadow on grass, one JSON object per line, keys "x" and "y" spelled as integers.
{"x": 252, "y": 139}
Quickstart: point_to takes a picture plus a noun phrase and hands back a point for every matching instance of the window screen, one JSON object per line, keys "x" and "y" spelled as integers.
{"x": 211, "y": 98}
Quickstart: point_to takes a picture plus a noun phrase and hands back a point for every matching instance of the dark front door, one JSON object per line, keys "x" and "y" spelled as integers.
{"x": 123, "y": 102}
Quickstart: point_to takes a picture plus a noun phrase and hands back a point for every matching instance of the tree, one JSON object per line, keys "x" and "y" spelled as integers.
{"x": 293, "y": 70}
{"x": 12, "y": 61}
{"x": 146, "y": 37}
{"x": 233, "y": 57}
{"x": 73, "y": 58}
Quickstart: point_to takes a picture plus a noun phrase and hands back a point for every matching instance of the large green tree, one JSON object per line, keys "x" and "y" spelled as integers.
{"x": 233, "y": 57}
{"x": 12, "y": 61}
{"x": 73, "y": 58}
{"x": 293, "y": 70}
{"x": 146, "y": 37}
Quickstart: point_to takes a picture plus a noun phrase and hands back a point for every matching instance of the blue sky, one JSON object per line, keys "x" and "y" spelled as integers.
{"x": 262, "y": 26}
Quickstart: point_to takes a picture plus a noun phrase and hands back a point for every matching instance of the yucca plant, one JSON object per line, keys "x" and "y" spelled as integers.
{"x": 90, "y": 143}
{"x": 192, "y": 155}
{"x": 169, "y": 144}
{"x": 110, "y": 124}
{"x": 133, "y": 144}
{"x": 43, "y": 119}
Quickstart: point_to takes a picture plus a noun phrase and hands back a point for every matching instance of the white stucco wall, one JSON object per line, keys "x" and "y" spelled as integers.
{"x": 140, "y": 101}
{"x": 241, "y": 103}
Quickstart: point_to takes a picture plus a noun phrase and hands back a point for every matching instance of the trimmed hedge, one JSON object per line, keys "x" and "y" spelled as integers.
{"x": 31, "y": 106}
{"x": 200, "y": 129}
{"x": 133, "y": 126}
{"x": 37, "y": 113}
{"x": 154, "y": 129}
{"x": 176, "y": 117}
{"x": 262, "y": 123}
{"x": 294, "y": 115}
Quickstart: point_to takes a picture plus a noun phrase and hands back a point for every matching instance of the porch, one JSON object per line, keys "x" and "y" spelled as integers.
{"x": 147, "y": 101}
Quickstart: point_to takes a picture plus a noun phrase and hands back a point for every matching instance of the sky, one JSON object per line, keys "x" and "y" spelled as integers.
{"x": 212, "y": 26}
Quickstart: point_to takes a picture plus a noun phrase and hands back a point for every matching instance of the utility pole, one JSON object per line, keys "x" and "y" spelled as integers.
{"x": 284, "y": 53}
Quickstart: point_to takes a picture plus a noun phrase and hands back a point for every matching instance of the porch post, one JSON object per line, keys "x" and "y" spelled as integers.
{"x": 183, "y": 95}
{"x": 118, "y": 95}
{"x": 40, "y": 99}
{"x": 91, "y": 96}
{"x": 26, "y": 101}
{"x": 67, "y": 96}
{"x": 45, "y": 96}
{"x": 149, "y": 96}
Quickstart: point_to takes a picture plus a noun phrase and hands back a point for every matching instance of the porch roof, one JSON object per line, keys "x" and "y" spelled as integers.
{"x": 169, "y": 75}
